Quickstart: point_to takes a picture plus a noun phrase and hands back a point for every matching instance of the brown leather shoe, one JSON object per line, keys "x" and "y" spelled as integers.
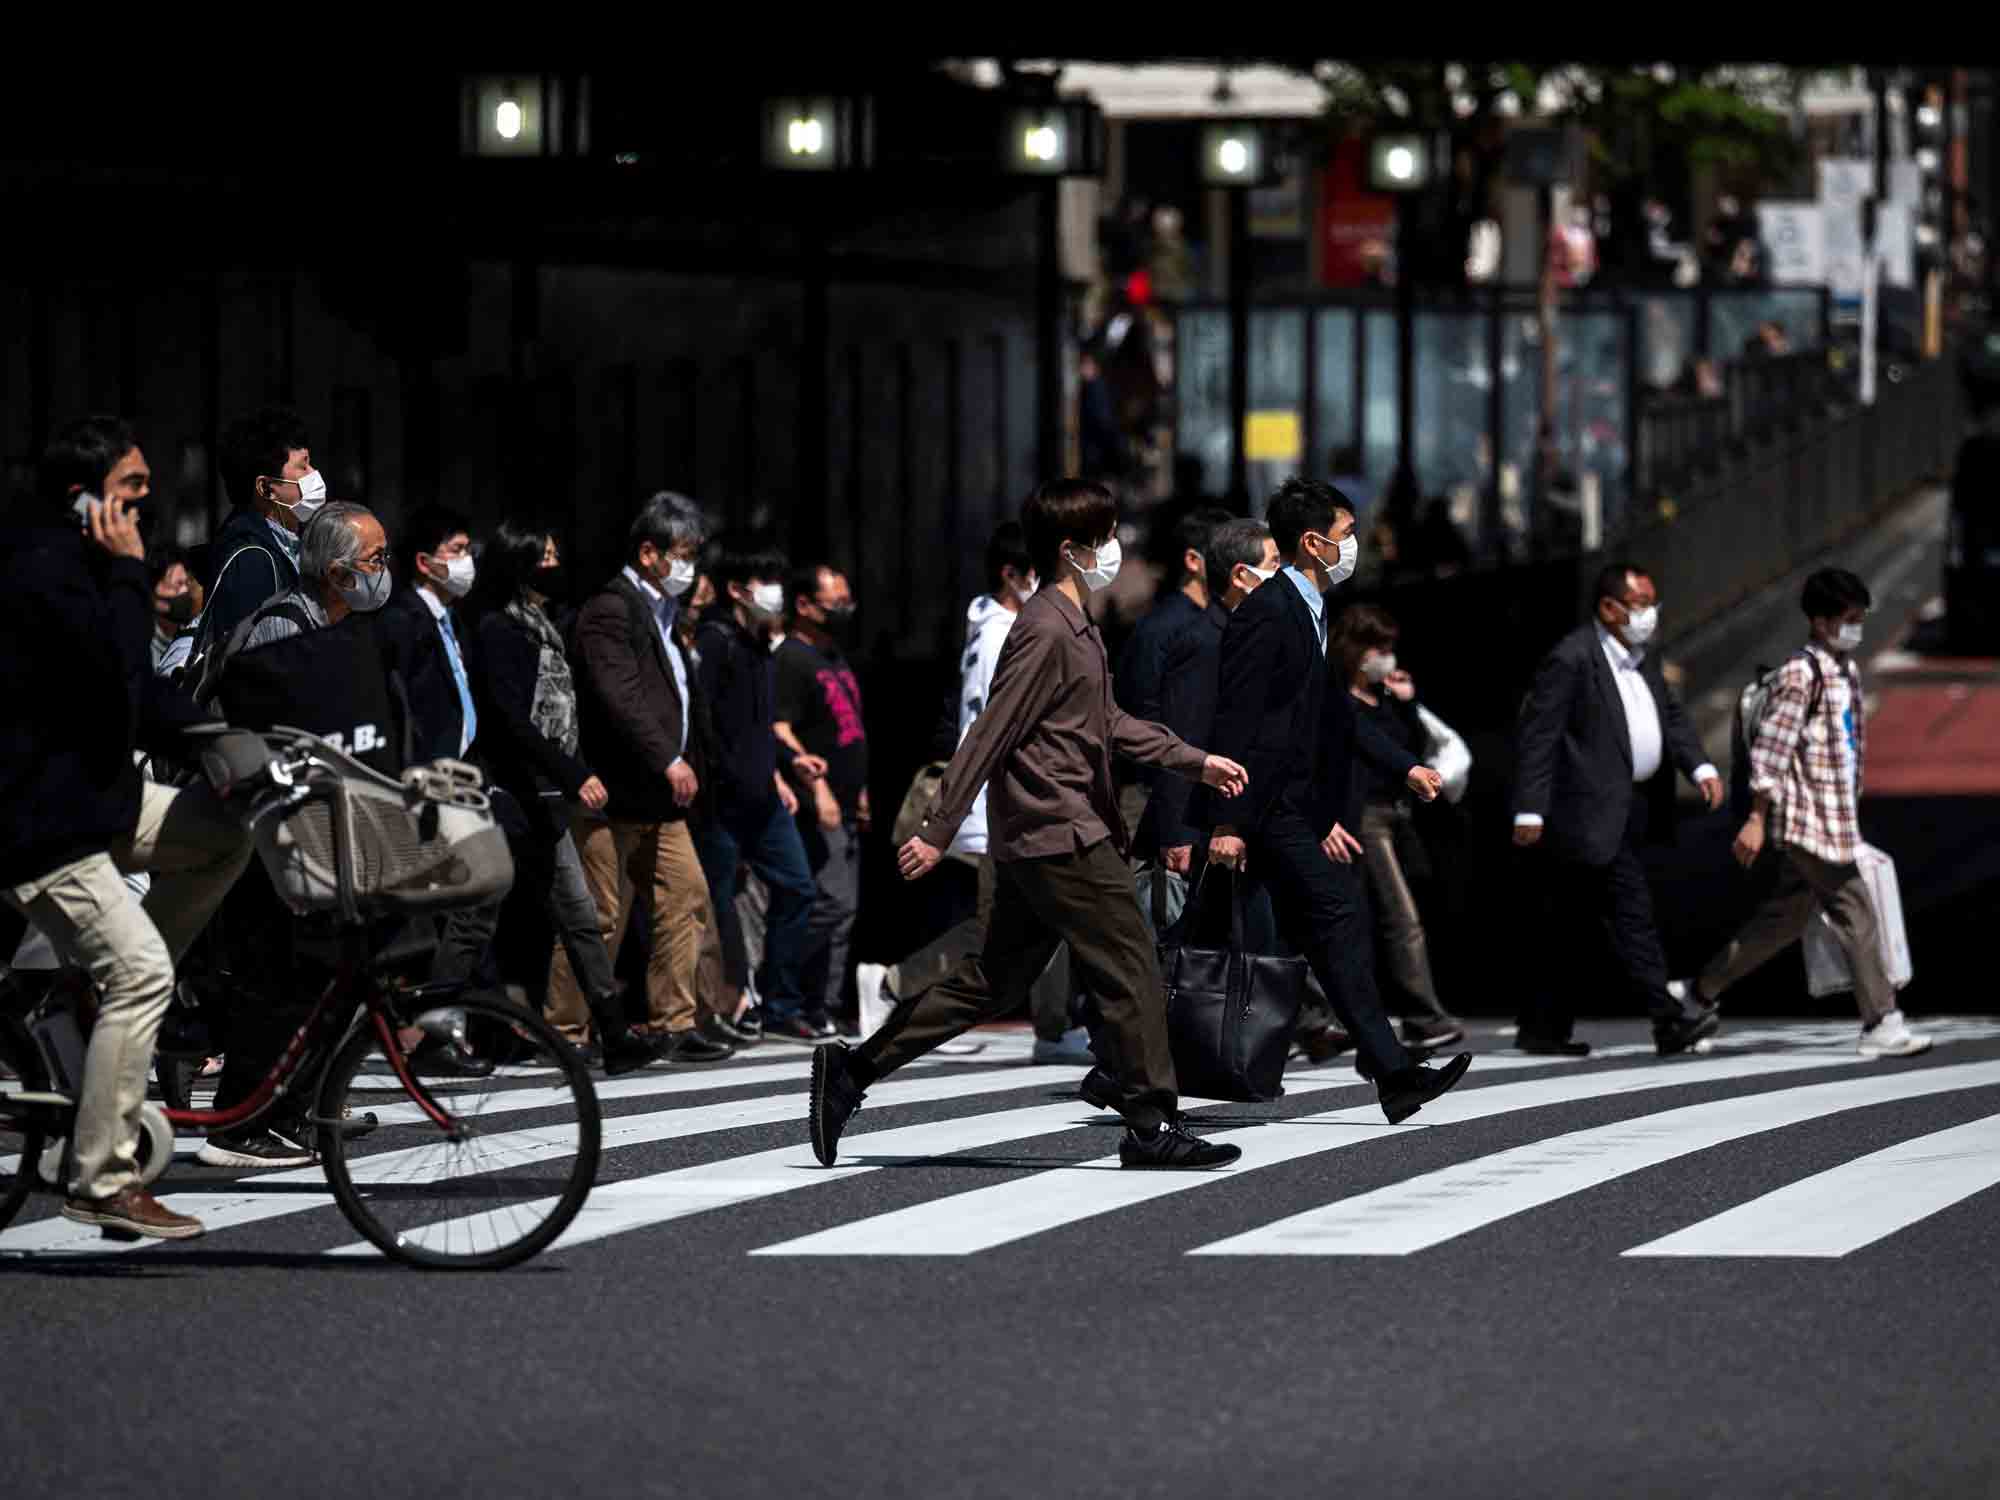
{"x": 1326, "y": 1042}
{"x": 132, "y": 1211}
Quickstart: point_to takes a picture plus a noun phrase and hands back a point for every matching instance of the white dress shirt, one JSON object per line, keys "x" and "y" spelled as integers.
{"x": 467, "y": 720}
{"x": 1642, "y": 718}
{"x": 663, "y": 617}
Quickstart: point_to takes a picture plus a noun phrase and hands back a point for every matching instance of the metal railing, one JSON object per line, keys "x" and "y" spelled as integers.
{"x": 1682, "y": 438}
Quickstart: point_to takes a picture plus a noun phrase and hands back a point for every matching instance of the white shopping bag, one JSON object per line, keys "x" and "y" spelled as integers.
{"x": 1827, "y": 970}
{"x": 1449, "y": 755}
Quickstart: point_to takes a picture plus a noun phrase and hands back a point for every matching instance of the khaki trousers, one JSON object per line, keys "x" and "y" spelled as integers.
{"x": 194, "y": 850}
{"x": 619, "y": 860}
{"x": 1806, "y": 882}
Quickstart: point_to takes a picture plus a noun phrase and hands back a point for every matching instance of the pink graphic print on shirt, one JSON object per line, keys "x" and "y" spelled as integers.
{"x": 843, "y": 701}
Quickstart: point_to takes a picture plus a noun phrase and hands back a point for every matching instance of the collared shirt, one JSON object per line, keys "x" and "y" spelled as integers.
{"x": 1811, "y": 768}
{"x": 1642, "y": 714}
{"x": 1315, "y": 601}
{"x": 665, "y": 609}
{"x": 1043, "y": 745}
{"x": 468, "y": 717}
{"x": 288, "y": 542}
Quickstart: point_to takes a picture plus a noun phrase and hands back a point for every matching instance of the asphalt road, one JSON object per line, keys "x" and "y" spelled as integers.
{"x": 973, "y": 1304}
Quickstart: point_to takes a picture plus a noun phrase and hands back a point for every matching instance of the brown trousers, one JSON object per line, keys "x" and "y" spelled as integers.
{"x": 1085, "y": 900}
{"x": 1807, "y": 882}
{"x": 619, "y": 860}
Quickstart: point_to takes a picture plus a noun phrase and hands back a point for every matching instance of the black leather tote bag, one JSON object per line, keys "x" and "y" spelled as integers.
{"x": 1230, "y": 1014}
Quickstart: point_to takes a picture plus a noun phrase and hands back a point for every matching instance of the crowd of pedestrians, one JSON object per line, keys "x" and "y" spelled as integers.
{"x": 678, "y": 753}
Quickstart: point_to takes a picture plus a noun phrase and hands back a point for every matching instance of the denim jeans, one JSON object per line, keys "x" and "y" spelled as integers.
{"x": 768, "y": 841}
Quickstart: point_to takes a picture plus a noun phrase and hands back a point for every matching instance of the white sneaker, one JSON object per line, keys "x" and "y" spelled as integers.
{"x": 1891, "y": 1037}
{"x": 871, "y": 987}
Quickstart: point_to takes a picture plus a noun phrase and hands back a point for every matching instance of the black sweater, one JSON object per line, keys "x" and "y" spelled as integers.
{"x": 736, "y": 676}
{"x": 1396, "y": 724}
{"x": 76, "y": 676}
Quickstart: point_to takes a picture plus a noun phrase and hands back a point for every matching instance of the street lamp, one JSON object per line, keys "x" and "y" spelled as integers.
{"x": 1053, "y": 138}
{"x": 1235, "y": 154}
{"x": 818, "y": 133}
{"x": 1404, "y": 163}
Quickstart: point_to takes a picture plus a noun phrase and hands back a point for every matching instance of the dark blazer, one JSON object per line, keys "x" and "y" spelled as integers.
{"x": 1140, "y": 683}
{"x": 630, "y": 707}
{"x": 1574, "y": 765}
{"x": 418, "y": 655}
{"x": 1189, "y": 669}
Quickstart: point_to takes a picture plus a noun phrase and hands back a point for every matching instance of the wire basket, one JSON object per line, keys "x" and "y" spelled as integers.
{"x": 353, "y": 841}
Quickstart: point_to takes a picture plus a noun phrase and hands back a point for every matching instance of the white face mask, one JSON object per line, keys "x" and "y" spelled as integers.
{"x": 1023, "y": 594}
{"x": 680, "y": 577}
{"x": 1848, "y": 637}
{"x": 768, "y": 599}
{"x": 458, "y": 575}
{"x": 312, "y": 496}
{"x": 1640, "y": 624}
{"x": 1378, "y": 666}
{"x": 1101, "y": 576}
{"x": 1350, "y": 554}
{"x": 1262, "y": 575}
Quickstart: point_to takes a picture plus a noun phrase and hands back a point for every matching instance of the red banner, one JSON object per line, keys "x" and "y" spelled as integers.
{"x": 1356, "y": 227}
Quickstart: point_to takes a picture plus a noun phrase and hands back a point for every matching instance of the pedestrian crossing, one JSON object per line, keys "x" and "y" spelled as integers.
{"x": 1003, "y": 1153}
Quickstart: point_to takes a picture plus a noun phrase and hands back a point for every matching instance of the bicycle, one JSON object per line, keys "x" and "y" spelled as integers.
{"x": 355, "y": 854}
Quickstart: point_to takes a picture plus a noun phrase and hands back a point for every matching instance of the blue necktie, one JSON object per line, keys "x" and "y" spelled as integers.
{"x": 458, "y": 676}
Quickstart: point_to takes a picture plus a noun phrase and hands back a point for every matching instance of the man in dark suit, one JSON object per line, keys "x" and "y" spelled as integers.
{"x": 1600, "y": 738}
{"x": 1275, "y": 716}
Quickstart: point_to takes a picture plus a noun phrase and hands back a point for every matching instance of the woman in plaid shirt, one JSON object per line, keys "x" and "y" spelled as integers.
{"x": 1805, "y": 773}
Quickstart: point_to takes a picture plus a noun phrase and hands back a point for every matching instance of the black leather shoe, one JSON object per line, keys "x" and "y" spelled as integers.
{"x": 1170, "y": 1147}
{"x": 626, "y": 1052}
{"x": 1099, "y": 1089}
{"x": 1671, "y": 1037}
{"x": 728, "y": 1033}
{"x": 1324, "y": 1043}
{"x": 447, "y": 1059}
{"x": 691, "y": 1046}
{"x": 1548, "y": 1046}
{"x": 1408, "y": 1090}
{"x": 835, "y": 1098}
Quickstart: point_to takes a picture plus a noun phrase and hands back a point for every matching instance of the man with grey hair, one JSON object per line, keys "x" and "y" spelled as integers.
{"x": 638, "y": 711}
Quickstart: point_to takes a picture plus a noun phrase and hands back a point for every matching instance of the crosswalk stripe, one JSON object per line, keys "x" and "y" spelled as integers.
{"x": 984, "y": 1218}
{"x": 1838, "y": 1211}
{"x": 227, "y": 1209}
{"x": 642, "y": 1085}
{"x": 1430, "y": 1209}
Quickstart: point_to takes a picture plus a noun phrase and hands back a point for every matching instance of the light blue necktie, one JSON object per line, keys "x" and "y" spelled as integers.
{"x": 458, "y": 676}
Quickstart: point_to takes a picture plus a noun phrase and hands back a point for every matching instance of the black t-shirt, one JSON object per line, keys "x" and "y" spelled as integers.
{"x": 820, "y": 697}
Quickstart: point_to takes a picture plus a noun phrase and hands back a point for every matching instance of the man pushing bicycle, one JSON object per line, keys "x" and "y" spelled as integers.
{"x": 76, "y": 616}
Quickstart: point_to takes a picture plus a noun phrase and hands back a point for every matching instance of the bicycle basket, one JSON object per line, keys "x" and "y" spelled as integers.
{"x": 429, "y": 843}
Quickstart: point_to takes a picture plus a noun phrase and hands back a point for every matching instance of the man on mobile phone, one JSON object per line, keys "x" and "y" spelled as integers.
{"x": 72, "y": 570}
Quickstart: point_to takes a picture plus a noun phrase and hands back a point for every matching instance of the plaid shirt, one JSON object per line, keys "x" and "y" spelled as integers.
{"x": 1804, "y": 768}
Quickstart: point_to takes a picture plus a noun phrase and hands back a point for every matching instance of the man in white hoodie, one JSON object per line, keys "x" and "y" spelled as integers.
{"x": 1010, "y": 577}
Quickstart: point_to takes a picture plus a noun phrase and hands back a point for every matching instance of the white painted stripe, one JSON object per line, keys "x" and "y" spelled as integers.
{"x": 224, "y": 1209}
{"x": 1438, "y": 1206}
{"x": 641, "y": 1085}
{"x": 619, "y": 1207}
{"x": 1009, "y": 1211}
{"x": 1837, "y": 1212}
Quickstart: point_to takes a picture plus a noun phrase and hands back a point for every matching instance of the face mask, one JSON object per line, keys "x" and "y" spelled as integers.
{"x": 1262, "y": 575}
{"x": 1378, "y": 666}
{"x": 1350, "y": 554}
{"x": 179, "y": 609}
{"x": 366, "y": 592}
{"x": 312, "y": 496}
{"x": 768, "y": 599}
{"x": 551, "y": 583}
{"x": 1023, "y": 595}
{"x": 1641, "y": 623}
{"x": 680, "y": 577}
{"x": 458, "y": 576}
{"x": 1100, "y": 577}
{"x": 1848, "y": 637}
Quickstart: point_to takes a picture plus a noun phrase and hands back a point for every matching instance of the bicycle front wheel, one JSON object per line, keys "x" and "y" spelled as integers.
{"x": 499, "y": 1180}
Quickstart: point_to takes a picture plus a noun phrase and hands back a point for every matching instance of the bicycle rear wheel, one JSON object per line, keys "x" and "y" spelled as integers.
{"x": 502, "y": 1182}
{"x": 21, "y": 1140}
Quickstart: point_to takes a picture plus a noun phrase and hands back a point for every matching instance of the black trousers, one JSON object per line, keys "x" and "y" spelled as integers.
{"x": 1595, "y": 912}
{"x": 1085, "y": 900}
{"x": 1321, "y": 910}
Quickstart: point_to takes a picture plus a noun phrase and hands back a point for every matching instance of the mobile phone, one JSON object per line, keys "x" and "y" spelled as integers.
{"x": 81, "y": 505}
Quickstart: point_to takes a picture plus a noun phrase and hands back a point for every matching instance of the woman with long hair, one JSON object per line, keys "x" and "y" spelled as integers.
{"x": 528, "y": 730}
{"x": 1364, "y": 649}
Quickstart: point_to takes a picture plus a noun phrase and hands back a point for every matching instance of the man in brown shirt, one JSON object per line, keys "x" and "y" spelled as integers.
{"x": 1043, "y": 749}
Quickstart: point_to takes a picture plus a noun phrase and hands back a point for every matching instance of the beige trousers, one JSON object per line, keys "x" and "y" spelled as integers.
{"x": 619, "y": 860}
{"x": 194, "y": 850}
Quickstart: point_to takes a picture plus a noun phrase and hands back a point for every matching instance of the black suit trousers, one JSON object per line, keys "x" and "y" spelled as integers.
{"x": 1587, "y": 910}
{"x": 1322, "y": 912}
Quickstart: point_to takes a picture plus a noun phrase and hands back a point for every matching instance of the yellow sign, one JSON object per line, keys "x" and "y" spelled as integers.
{"x": 1272, "y": 437}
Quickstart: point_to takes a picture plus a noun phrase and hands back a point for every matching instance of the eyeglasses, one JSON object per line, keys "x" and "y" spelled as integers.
{"x": 376, "y": 561}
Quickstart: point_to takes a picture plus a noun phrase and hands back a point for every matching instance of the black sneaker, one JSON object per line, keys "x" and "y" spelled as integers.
{"x": 1171, "y": 1147}
{"x": 835, "y": 1098}
{"x": 1672, "y": 1037}
{"x": 690, "y": 1046}
{"x": 822, "y": 1025}
{"x": 751, "y": 1023}
{"x": 257, "y": 1148}
{"x": 1408, "y": 1090}
{"x": 793, "y": 1029}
